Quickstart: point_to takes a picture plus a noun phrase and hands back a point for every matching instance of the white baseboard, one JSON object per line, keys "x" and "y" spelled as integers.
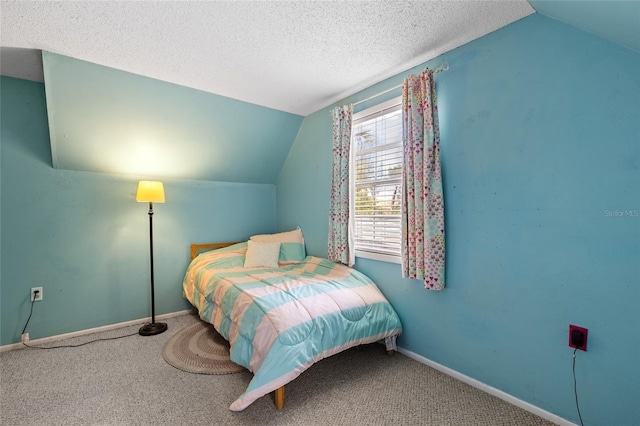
{"x": 90, "y": 331}
{"x": 488, "y": 389}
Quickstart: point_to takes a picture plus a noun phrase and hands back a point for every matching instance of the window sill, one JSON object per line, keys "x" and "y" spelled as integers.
{"x": 378, "y": 256}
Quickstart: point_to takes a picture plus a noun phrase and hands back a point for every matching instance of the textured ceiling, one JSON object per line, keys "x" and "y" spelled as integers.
{"x": 292, "y": 56}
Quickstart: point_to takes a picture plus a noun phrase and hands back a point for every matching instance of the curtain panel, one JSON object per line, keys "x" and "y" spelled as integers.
{"x": 340, "y": 243}
{"x": 423, "y": 248}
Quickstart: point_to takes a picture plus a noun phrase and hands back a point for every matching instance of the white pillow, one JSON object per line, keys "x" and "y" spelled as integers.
{"x": 292, "y": 248}
{"x": 262, "y": 254}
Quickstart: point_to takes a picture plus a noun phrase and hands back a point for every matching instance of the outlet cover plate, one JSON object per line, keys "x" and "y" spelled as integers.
{"x": 584, "y": 331}
{"x": 39, "y": 298}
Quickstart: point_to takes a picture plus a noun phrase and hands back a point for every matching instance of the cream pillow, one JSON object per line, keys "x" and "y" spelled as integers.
{"x": 262, "y": 254}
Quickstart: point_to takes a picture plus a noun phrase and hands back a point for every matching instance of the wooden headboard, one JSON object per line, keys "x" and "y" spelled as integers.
{"x": 195, "y": 248}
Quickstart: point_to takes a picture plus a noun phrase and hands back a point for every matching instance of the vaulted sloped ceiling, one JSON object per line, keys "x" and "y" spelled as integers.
{"x": 618, "y": 21}
{"x": 106, "y": 120}
{"x": 252, "y": 61}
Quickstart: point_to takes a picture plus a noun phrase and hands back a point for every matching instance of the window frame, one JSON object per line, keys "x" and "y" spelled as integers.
{"x": 378, "y": 109}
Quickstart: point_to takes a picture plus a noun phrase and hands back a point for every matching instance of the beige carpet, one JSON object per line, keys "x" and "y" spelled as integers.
{"x": 127, "y": 382}
{"x": 199, "y": 349}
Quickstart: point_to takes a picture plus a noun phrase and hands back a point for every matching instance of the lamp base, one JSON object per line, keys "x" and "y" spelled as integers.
{"x": 152, "y": 329}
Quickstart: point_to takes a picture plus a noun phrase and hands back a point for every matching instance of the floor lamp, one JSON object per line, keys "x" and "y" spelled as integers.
{"x": 151, "y": 192}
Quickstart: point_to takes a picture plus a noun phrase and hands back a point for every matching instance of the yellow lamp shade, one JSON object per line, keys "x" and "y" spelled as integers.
{"x": 150, "y": 191}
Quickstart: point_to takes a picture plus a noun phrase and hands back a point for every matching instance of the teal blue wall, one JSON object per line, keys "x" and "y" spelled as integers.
{"x": 540, "y": 131}
{"x": 85, "y": 240}
{"x": 106, "y": 120}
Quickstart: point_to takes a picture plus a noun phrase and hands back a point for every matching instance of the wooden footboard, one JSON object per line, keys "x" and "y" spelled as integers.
{"x": 195, "y": 248}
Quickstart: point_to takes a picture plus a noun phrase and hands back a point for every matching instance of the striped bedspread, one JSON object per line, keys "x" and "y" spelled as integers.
{"x": 281, "y": 321}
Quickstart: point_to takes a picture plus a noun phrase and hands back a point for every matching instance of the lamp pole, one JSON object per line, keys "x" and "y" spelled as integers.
{"x": 154, "y": 192}
{"x": 153, "y": 296}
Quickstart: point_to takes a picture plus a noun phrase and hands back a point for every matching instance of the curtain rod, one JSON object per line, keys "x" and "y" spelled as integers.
{"x": 443, "y": 67}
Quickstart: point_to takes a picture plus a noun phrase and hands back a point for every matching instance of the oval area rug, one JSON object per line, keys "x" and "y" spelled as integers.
{"x": 199, "y": 349}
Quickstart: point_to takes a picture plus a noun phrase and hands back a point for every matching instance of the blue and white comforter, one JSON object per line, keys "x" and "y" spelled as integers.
{"x": 280, "y": 321}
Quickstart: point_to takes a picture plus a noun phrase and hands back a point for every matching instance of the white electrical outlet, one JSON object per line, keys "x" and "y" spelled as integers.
{"x": 25, "y": 338}
{"x": 34, "y": 297}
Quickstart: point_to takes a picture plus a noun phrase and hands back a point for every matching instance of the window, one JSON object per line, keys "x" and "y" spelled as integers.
{"x": 376, "y": 184}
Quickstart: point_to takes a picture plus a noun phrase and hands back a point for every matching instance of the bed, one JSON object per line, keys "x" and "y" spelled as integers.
{"x": 282, "y": 318}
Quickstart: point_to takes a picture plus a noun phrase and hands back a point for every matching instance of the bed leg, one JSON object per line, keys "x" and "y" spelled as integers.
{"x": 390, "y": 342}
{"x": 280, "y": 398}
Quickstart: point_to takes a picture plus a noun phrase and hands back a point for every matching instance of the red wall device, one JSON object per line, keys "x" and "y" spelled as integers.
{"x": 583, "y": 346}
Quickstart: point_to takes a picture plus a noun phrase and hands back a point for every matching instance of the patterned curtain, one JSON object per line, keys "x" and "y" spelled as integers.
{"x": 423, "y": 250}
{"x": 340, "y": 234}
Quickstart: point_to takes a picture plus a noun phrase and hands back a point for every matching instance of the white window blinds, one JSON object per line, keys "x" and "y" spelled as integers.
{"x": 377, "y": 178}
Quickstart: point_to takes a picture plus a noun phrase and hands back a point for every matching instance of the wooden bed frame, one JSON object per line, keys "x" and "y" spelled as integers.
{"x": 195, "y": 248}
